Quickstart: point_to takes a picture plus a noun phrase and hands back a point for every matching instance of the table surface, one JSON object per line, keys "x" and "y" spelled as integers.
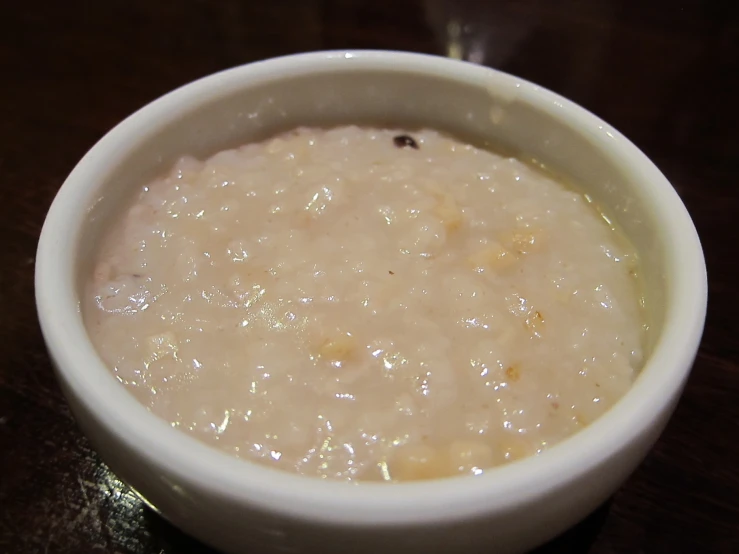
{"x": 665, "y": 73}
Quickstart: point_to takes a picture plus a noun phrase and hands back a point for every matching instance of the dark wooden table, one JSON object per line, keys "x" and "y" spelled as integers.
{"x": 663, "y": 72}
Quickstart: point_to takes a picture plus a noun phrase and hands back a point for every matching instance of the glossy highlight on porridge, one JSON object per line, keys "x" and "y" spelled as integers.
{"x": 367, "y": 304}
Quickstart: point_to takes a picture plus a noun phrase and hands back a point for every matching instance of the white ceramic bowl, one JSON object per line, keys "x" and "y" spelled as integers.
{"x": 232, "y": 504}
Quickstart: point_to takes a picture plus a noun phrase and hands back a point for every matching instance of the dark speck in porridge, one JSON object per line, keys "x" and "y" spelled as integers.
{"x": 401, "y": 141}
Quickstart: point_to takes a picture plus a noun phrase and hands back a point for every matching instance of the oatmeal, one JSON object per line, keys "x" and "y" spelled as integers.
{"x": 366, "y": 304}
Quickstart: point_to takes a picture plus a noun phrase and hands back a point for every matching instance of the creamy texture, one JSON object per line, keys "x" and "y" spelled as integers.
{"x": 356, "y": 304}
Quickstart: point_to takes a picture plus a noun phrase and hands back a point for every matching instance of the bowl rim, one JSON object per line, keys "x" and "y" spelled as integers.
{"x": 501, "y": 489}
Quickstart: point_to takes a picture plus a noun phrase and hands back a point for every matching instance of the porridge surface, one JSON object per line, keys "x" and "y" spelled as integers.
{"x": 366, "y": 304}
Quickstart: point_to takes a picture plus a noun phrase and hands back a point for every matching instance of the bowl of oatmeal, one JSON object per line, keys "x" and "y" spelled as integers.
{"x": 370, "y": 298}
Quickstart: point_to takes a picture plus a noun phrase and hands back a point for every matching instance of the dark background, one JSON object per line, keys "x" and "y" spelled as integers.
{"x": 663, "y": 72}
